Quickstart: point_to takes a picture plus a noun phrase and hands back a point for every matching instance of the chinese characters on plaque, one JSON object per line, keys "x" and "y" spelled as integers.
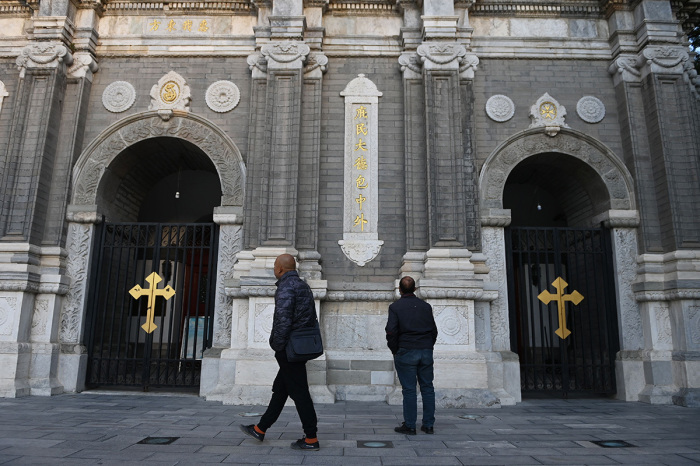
{"x": 166, "y": 26}
{"x": 360, "y": 242}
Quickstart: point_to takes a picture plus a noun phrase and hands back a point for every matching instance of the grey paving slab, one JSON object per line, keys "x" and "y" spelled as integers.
{"x": 105, "y": 428}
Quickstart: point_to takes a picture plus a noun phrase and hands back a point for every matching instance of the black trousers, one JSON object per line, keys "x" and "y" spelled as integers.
{"x": 291, "y": 382}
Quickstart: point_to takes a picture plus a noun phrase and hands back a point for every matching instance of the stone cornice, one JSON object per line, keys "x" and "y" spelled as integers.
{"x": 361, "y": 7}
{"x": 538, "y": 10}
{"x": 15, "y": 8}
{"x": 220, "y": 7}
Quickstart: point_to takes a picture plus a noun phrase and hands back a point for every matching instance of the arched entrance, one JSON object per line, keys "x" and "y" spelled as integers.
{"x": 559, "y": 278}
{"x": 159, "y": 186}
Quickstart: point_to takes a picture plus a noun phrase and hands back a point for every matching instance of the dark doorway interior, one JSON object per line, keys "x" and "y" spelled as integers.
{"x": 561, "y": 285}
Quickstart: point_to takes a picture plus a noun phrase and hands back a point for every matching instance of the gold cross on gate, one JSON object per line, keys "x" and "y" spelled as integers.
{"x": 575, "y": 297}
{"x": 167, "y": 292}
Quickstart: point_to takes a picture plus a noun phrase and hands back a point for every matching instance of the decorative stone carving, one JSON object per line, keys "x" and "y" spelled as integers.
{"x": 230, "y": 242}
{"x": 590, "y": 109}
{"x": 171, "y": 93}
{"x": 223, "y": 96}
{"x": 3, "y": 93}
{"x": 452, "y": 324}
{"x": 499, "y": 164}
{"x": 693, "y": 327}
{"x": 43, "y": 55}
{"x": 82, "y": 63}
{"x": 285, "y": 55}
{"x": 690, "y": 75}
{"x": 257, "y": 64}
{"x": 8, "y": 310}
{"x": 626, "y": 68}
{"x": 316, "y": 65}
{"x": 79, "y": 240}
{"x": 500, "y": 108}
{"x": 663, "y": 59}
{"x": 548, "y": 113}
{"x": 195, "y": 129}
{"x": 119, "y": 96}
{"x": 263, "y": 322}
{"x": 360, "y": 242}
{"x": 40, "y": 317}
{"x": 493, "y": 245}
{"x": 438, "y": 55}
{"x": 411, "y": 65}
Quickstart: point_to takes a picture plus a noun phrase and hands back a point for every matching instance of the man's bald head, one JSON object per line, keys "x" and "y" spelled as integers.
{"x": 283, "y": 264}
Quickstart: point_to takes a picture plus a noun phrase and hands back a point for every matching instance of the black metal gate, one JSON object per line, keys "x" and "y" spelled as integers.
{"x": 151, "y": 304}
{"x": 563, "y": 319}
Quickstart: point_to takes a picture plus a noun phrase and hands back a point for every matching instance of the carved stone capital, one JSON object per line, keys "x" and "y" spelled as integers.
{"x": 84, "y": 65}
{"x": 361, "y": 251}
{"x": 316, "y": 65}
{"x": 443, "y": 56}
{"x": 410, "y": 65}
{"x": 258, "y": 65}
{"x": 285, "y": 55}
{"x": 43, "y": 55}
{"x": 662, "y": 59}
{"x": 624, "y": 68}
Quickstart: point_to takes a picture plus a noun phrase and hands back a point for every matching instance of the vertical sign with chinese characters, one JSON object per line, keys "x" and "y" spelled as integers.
{"x": 360, "y": 242}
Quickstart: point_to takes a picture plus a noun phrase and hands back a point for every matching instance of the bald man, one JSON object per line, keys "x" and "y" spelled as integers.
{"x": 294, "y": 309}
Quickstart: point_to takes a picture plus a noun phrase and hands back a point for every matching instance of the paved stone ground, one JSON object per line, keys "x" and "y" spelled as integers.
{"x": 89, "y": 428}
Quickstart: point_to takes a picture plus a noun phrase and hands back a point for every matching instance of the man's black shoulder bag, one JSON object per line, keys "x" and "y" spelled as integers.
{"x": 305, "y": 344}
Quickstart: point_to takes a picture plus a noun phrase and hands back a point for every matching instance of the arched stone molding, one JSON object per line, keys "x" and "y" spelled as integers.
{"x": 618, "y": 213}
{"x": 83, "y": 214}
{"x": 222, "y": 151}
{"x": 508, "y": 155}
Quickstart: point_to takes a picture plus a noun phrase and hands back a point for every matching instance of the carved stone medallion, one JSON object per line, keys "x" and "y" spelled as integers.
{"x": 119, "y": 96}
{"x": 171, "y": 93}
{"x": 590, "y": 109}
{"x": 500, "y": 108}
{"x": 549, "y": 113}
{"x": 223, "y": 96}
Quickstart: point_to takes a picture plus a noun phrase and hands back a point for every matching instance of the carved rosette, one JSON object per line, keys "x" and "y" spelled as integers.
{"x": 590, "y": 109}
{"x": 549, "y": 113}
{"x": 223, "y": 96}
{"x": 43, "y": 55}
{"x": 500, "y": 108}
{"x": 119, "y": 96}
{"x": 171, "y": 93}
{"x": 452, "y": 324}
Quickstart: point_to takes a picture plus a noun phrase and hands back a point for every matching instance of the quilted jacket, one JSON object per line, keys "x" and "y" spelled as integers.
{"x": 294, "y": 309}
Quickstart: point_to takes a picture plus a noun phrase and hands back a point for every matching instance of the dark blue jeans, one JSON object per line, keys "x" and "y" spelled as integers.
{"x": 416, "y": 365}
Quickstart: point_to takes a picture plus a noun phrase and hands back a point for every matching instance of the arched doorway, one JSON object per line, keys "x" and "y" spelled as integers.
{"x": 150, "y": 313}
{"x": 146, "y": 194}
{"x": 543, "y": 201}
{"x": 563, "y": 317}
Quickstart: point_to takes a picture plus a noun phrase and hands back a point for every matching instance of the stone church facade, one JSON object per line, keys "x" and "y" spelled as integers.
{"x": 371, "y": 139}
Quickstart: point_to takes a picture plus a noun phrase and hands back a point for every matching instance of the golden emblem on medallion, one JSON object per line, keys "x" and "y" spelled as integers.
{"x": 548, "y": 110}
{"x": 169, "y": 92}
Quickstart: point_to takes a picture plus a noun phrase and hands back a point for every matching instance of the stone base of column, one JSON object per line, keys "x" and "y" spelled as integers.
{"x": 504, "y": 376}
{"x": 658, "y": 374}
{"x": 72, "y": 367}
{"x": 688, "y": 397}
{"x": 15, "y": 359}
{"x": 43, "y": 369}
{"x": 629, "y": 375}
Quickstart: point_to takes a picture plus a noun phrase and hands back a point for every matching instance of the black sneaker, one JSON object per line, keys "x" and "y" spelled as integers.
{"x": 427, "y": 430}
{"x": 250, "y": 430}
{"x": 302, "y": 445}
{"x": 404, "y": 429}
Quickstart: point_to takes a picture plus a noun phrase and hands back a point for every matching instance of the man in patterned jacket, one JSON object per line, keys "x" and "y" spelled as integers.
{"x": 294, "y": 309}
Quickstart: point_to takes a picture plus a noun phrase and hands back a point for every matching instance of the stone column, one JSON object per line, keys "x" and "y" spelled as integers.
{"x": 504, "y": 364}
{"x": 629, "y": 370}
{"x": 230, "y": 221}
{"x": 72, "y": 362}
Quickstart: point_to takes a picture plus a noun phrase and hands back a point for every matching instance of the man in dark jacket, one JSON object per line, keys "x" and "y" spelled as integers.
{"x": 411, "y": 334}
{"x": 294, "y": 309}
